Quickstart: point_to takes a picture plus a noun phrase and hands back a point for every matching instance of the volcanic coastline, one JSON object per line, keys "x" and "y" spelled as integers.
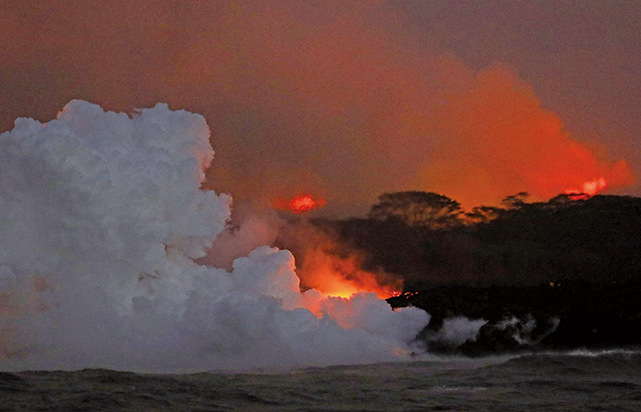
{"x": 562, "y": 315}
{"x": 555, "y": 275}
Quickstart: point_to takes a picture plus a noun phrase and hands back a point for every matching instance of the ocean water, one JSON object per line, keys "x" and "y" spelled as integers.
{"x": 575, "y": 381}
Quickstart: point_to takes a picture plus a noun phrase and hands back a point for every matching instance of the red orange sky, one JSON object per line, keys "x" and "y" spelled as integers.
{"x": 347, "y": 100}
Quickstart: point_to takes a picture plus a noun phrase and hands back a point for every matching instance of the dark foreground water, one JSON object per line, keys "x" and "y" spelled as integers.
{"x": 579, "y": 381}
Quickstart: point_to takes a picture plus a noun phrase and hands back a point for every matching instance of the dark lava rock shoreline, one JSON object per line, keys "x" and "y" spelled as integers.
{"x": 559, "y": 315}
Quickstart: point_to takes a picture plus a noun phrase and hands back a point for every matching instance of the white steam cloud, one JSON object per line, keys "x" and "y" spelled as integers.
{"x": 459, "y": 329}
{"x": 103, "y": 217}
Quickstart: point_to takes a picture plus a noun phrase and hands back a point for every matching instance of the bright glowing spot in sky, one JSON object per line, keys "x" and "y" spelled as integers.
{"x": 299, "y": 204}
{"x": 588, "y": 189}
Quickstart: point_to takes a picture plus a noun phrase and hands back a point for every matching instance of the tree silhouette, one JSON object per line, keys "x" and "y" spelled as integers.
{"x": 515, "y": 201}
{"x": 418, "y": 209}
{"x": 483, "y": 214}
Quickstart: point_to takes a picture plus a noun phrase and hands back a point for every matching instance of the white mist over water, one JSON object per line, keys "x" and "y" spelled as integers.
{"x": 102, "y": 220}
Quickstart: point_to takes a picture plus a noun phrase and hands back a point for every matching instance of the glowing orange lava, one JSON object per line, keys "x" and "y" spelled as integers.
{"x": 343, "y": 277}
{"x": 334, "y": 295}
{"x": 588, "y": 189}
{"x": 337, "y": 286}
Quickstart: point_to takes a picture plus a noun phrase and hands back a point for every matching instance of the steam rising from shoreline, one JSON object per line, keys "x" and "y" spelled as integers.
{"x": 103, "y": 218}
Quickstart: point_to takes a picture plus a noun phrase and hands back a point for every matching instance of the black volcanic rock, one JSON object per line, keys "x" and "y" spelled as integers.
{"x": 563, "y": 315}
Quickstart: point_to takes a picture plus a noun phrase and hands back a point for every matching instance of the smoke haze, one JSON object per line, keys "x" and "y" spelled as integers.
{"x": 341, "y": 100}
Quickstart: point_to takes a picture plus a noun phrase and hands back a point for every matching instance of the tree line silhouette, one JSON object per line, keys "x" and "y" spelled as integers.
{"x": 427, "y": 239}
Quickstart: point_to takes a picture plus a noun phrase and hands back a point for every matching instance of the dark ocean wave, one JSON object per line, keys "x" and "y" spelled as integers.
{"x": 580, "y": 380}
{"x": 579, "y": 361}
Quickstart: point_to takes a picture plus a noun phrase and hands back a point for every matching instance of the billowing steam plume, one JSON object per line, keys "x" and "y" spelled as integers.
{"x": 103, "y": 219}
